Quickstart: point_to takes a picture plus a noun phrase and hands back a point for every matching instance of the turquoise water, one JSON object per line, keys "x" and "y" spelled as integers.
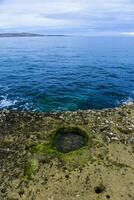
{"x": 66, "y": 73}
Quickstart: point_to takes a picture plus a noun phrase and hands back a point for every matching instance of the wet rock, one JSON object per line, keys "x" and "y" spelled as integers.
{"x": 68, "y": 155}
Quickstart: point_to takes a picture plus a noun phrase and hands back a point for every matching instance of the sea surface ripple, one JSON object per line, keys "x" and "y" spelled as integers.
{"x": 66, "y": 73}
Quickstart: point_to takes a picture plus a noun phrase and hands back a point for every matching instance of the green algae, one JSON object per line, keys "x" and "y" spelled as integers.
{"x": 31, "y": 168}
{"x": 44, "y": 153}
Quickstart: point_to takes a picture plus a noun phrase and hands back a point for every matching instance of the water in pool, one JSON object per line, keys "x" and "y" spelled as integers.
{"x": 66, "y": 73}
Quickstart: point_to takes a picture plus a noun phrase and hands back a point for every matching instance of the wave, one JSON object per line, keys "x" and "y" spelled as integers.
{"x": 127, "y": 101}
{"x": 28, "y": 104}
{"x": 6, "y": 103}
{"x": 130, "y": 99}
{"x": 22, "y": 104}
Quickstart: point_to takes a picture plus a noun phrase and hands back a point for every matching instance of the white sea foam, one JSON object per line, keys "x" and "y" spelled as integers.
{"x": 129, "y": 100}
{"x": 5, "y": 102}
{"x": 18, "y": 103}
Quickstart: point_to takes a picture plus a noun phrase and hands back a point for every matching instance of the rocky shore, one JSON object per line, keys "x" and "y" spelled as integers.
{"x": 83, "y": 155}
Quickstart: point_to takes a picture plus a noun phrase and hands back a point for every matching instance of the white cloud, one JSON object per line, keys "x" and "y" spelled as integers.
{"x": 80, "y": 15}
{"x": 128, "y": 33}
{"x": 35, "y": 13}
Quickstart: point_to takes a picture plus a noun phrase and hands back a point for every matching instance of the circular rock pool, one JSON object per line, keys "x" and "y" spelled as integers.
{"x": 69, "y": 139}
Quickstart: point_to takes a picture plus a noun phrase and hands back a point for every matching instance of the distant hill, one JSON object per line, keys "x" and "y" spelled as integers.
{"x": 19, "y": 35}
{"x": 24, "y": 35}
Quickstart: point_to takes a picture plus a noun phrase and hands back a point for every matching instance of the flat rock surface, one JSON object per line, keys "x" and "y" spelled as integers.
{"x": 31, "y": 168}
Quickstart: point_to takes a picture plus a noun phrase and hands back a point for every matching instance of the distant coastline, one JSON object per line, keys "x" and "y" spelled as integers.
{"x": 26, "y": 35}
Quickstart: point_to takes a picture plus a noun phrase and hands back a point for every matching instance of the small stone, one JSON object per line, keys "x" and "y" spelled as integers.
{"x": 13, "y": 196}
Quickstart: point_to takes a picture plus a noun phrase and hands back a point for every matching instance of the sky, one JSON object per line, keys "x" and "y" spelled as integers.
{"x": 78, "y": 17}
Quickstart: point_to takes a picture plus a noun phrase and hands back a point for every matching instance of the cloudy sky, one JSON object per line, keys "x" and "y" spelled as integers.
{"x": 82, "y": 17}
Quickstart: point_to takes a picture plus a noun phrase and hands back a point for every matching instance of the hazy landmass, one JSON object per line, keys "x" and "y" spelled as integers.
{"x": 24, "y": 35}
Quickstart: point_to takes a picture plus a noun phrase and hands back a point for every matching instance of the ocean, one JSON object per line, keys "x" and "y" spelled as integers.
{"x": 47, "y": 74}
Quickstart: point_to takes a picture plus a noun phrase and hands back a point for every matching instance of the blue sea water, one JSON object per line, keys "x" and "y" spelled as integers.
{"x": 66, "y": 73}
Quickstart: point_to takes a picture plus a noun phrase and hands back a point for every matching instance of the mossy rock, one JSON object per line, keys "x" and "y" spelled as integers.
{"x": 31, "y": 168}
